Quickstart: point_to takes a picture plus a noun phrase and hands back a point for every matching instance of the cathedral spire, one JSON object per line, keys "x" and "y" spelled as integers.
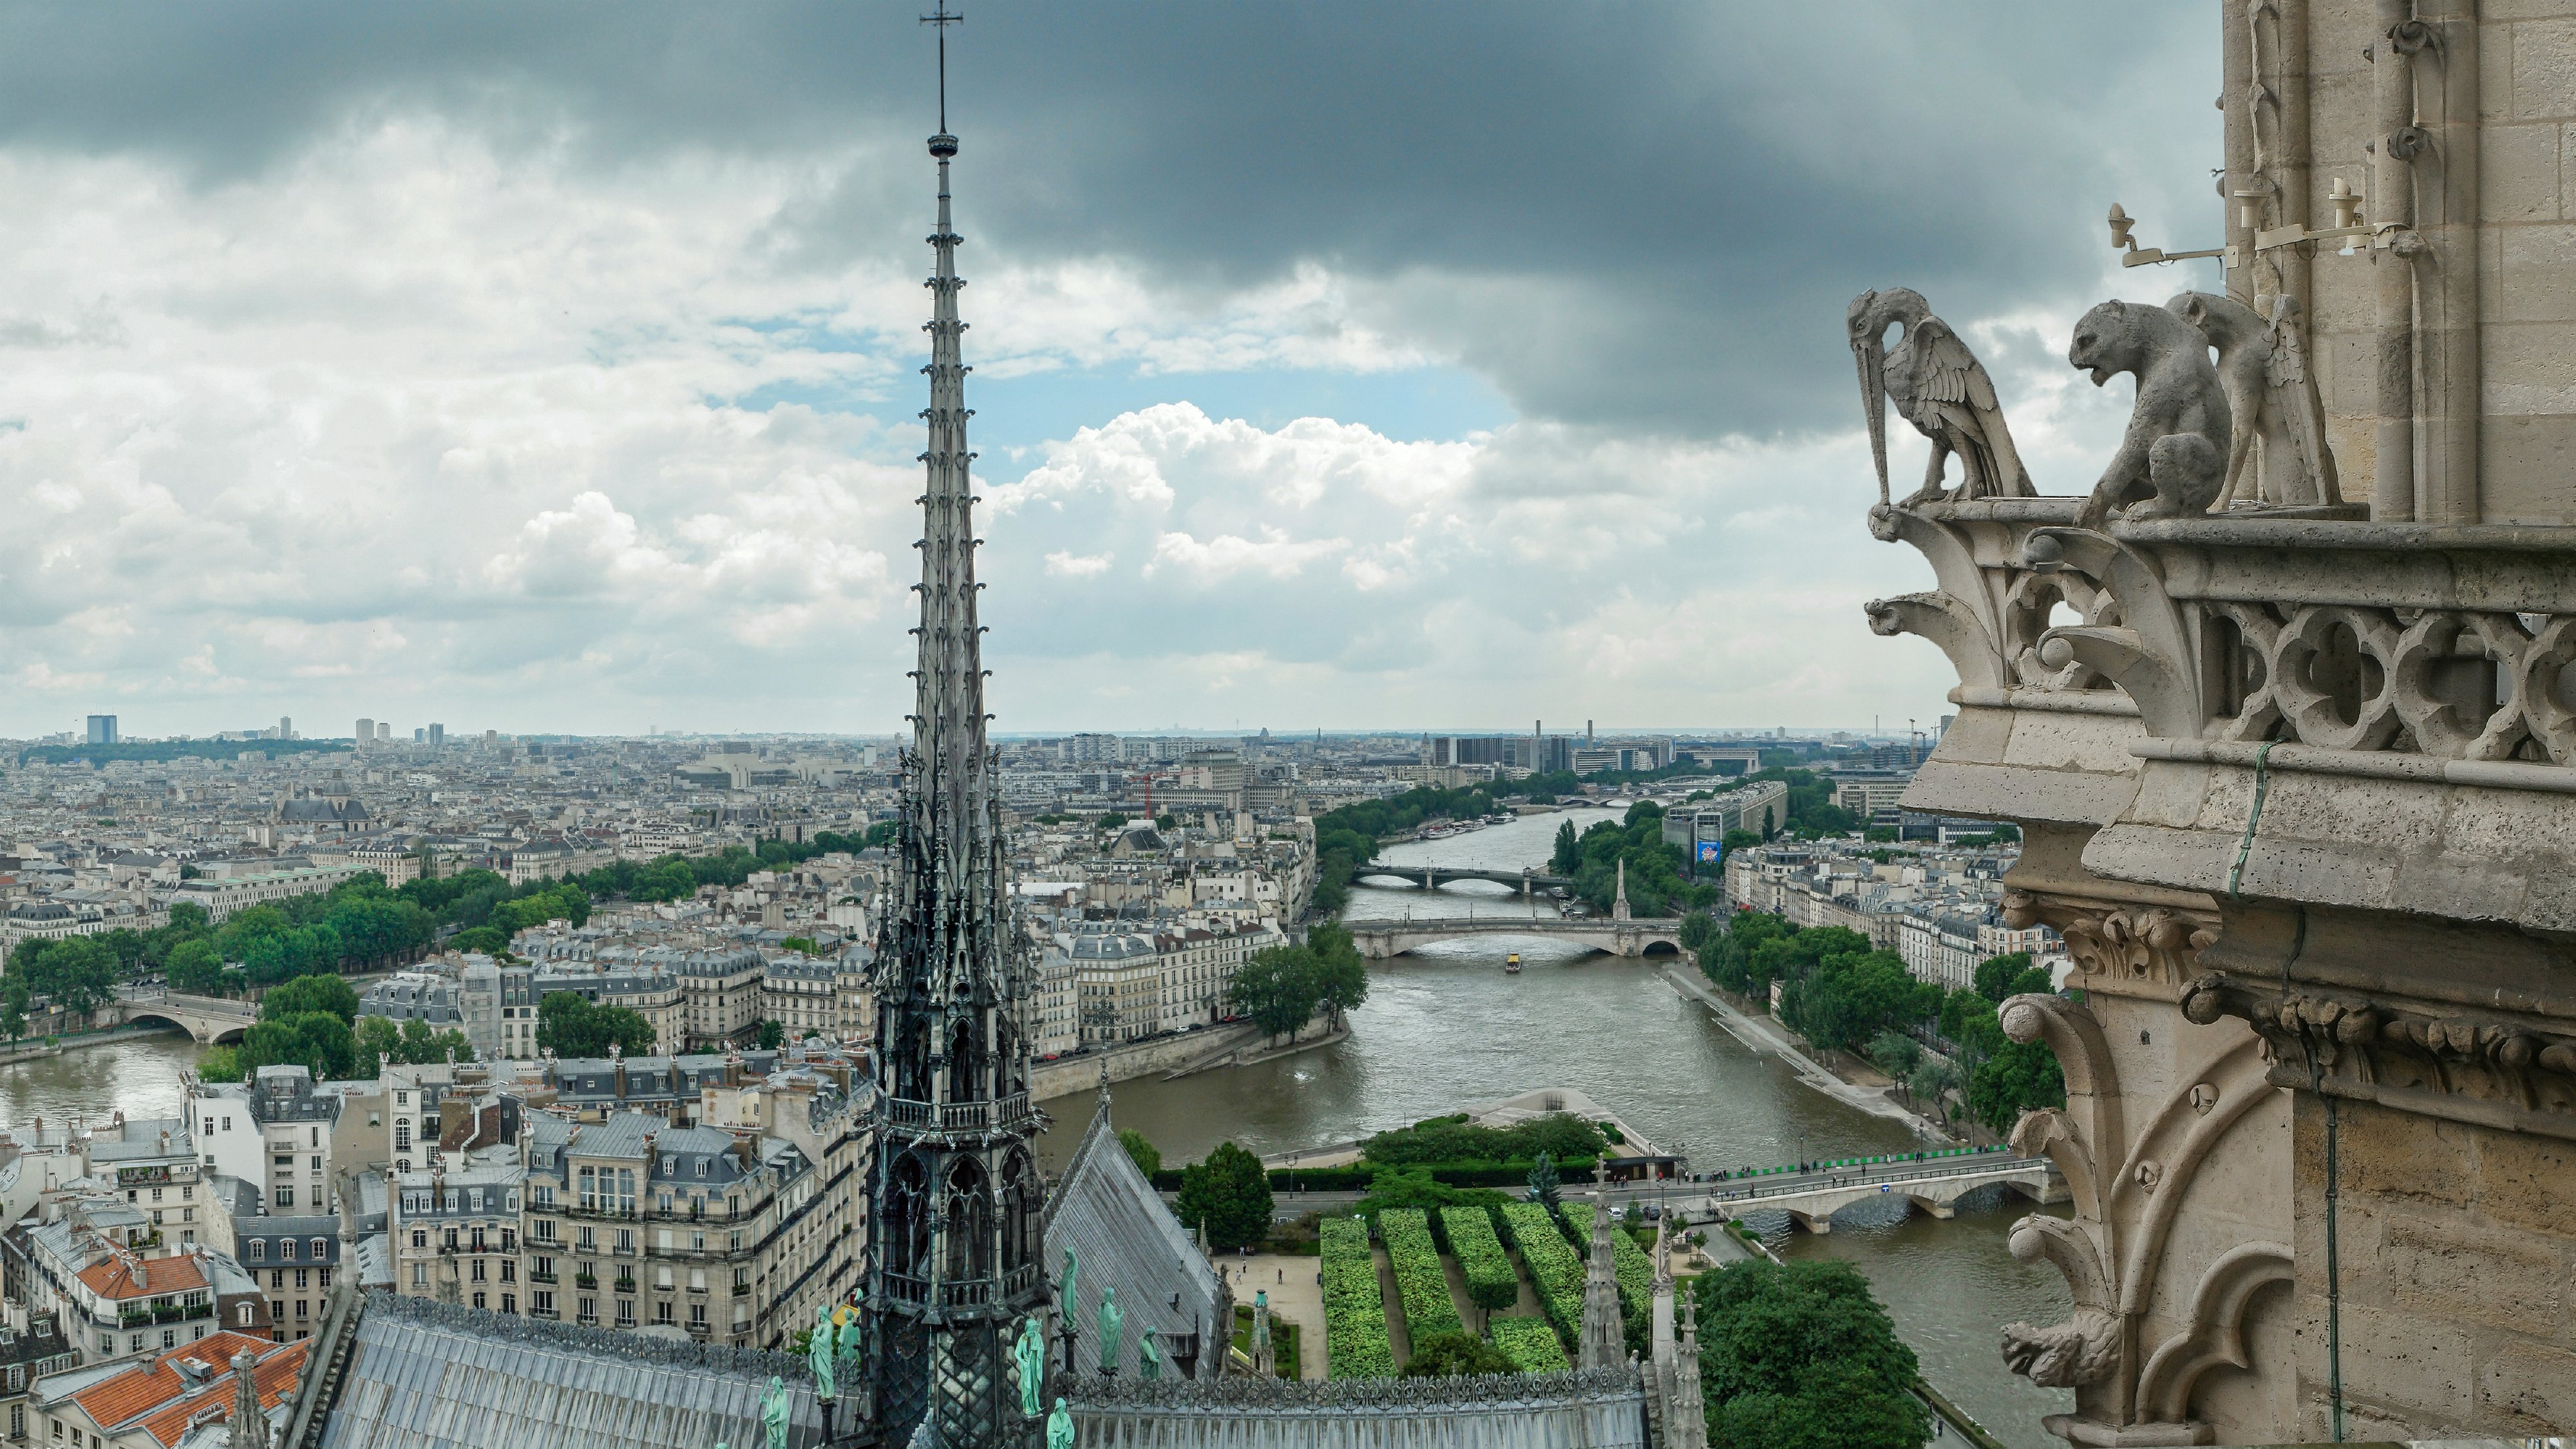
{"x": 954, "y": 1194}
{"x": 1604, "y": 1334}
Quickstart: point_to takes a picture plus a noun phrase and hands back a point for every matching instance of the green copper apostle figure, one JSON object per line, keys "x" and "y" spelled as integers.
{"x": 1064, "y": 1291}
{"x": 1030, "y": 1356}
{"x": 853, "y": 1342}
{"x": 1060, "y": 1427}
{"x": 1111, "y": 1323}
{"x": 1149, "y": 1359}
{"x": 773, "y": 1412}
{"x": 819, "y": 1356}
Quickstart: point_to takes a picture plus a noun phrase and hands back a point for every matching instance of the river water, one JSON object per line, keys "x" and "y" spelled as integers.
{"x": 136, "y": 1075}
{"x": 1444, "y": 1028}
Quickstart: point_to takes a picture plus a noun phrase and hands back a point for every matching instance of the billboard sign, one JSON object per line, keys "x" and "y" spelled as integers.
{"x": 1710, "y": 852}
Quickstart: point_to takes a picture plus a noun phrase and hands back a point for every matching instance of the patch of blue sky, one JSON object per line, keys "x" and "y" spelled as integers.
{"x": 1019, "y": 413}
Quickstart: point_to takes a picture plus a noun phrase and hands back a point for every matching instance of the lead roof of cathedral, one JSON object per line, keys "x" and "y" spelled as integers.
{"x": 1124, "y": 1237}
{"x": 429, "y": 1375}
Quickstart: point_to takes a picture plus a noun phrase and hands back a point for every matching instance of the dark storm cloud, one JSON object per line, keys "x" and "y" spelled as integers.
{"x": 1644, "y": 216}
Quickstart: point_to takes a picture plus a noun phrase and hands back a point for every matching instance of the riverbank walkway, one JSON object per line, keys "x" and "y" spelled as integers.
{"x": 1760, "y": 1034}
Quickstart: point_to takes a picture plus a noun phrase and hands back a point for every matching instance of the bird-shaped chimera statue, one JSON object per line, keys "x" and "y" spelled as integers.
{"x": 1939, "y": 386}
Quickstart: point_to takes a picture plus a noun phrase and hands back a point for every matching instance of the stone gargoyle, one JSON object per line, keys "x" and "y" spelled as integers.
{"x": 2082, "y": 1350}
{"x": 2271, "y": 395}
{"x": 1937, "y": 385}
{"x": 2172, "y": 461}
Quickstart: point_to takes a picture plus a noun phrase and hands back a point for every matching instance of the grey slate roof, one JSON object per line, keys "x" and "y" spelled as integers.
{"x": 1125, "y": 1238}
{"x": 427, "y": 1375}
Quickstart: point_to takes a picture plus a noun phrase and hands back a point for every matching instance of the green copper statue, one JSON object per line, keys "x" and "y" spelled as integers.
{"x": 1149, "y": 1359}
{"x": 1112, "y": 1322}
{"x": 1060, "y": 1427}
{"x": 1030, "y": 1356}
{"x": 1064, "y": 1291}
{"x": 773, "y": 1412}
{"x": 853, "y": 1343}
{"x": 818, "y": 1355}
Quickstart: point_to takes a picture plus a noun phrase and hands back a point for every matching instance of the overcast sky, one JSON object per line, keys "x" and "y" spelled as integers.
{"x": 555, "y": 368}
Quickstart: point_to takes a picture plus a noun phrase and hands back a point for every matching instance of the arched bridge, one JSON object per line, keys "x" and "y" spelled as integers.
{"x": 1381, "y": 940}
{"x": 212, "y": 1020}
{"x": 1812, "y": 1198}
{"x": 1432, "y": 877}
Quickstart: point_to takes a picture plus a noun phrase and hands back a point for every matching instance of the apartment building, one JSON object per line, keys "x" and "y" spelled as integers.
{"x": 276, "y": 1131}
{"x": 455, "y": 1234}
{"x": 225, "y": 886}
{"x": 731, "y": 1235}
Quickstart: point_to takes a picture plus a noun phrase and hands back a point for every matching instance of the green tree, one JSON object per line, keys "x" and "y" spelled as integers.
{"x": 1543, "y": 1183}
{"x": 310, "y": 993}
{"x": 768, "y": 1036}
{"x": 1230, "y": 1193}
{"x": 1569, "y": 851}
{"x": 1803, "y": 1357}
{"x": 1276, "y": 988}
{"x": 1896, "y": 1053}
{"x": 193, "y": 967}
{"x": 1998, "y": 977}
{"x": 1698, "y": 928}
{"x": 315, "y": 1040}
{"x": 1340, "y": 977}
{"x": 222, "y": 1064}
{"x": 1849, "y": 996}
{"x": 1149, "y": 1158}
{"x": 1449, "y": 1355}
{"x": 569, "y": 1026}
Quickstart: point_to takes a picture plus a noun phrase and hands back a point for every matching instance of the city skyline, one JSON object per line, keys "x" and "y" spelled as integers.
{"x": 461, "y": 384}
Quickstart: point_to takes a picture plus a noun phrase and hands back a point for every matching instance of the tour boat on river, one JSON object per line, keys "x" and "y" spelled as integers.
{"x": 1512, "y": 964}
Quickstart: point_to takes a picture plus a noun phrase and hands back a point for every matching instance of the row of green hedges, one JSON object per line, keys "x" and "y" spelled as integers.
{"x": 1481, "y": 1260}
{"x": 1529, "y": 1343}
{"x": 1355, "y": 1342}
{"x": 1551, "y": 1263}
{"x": 1428, "y": 1309}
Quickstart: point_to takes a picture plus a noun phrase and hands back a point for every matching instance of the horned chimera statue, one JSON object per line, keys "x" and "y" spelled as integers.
{"x": 1937, "y": 385}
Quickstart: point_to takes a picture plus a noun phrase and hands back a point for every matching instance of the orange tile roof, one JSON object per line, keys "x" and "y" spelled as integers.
{"x": 118, "y": 1276}
{"x": 274, "y": 1377}
{"x": 149, "y": 1385}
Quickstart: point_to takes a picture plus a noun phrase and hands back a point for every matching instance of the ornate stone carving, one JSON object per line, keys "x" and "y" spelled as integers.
{"x": 1937, "y": 385}
{"x": 2172, "y": 460}
{"x": 2271, "y": 395}
{"x": 2128, "y": 1179}
{"x": 2148, "y": 943}
{"x": 2494, "y": 1070}
{"x": 2083, "y": 1350}
{"x": 2214, "y": 1334}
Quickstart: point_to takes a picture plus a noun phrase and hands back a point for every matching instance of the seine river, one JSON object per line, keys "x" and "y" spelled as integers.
{"x": 1444, "y": 1028}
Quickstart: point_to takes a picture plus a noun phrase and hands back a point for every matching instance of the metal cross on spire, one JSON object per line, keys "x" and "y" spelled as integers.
{"x": 943, "y": 19}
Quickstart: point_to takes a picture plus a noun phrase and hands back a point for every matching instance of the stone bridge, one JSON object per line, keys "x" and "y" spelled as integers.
{"x": 1431, "y": 877}
{"x": 1382, "y": 940}
{"x": 212, "y": 1020}
{"x": 1812, "y": 1198}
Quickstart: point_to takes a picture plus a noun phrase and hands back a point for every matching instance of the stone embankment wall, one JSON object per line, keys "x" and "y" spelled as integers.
{"x": 1188, "y": 1052}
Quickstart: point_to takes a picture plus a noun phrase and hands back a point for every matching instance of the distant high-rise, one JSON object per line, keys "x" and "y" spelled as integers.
{"x": 366, "y": 732}
{"x": 438, "y": 736}
{"x": 285, "y": 727}
{"x": 102, "y": 729}
{"x": 385, "y": 731}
